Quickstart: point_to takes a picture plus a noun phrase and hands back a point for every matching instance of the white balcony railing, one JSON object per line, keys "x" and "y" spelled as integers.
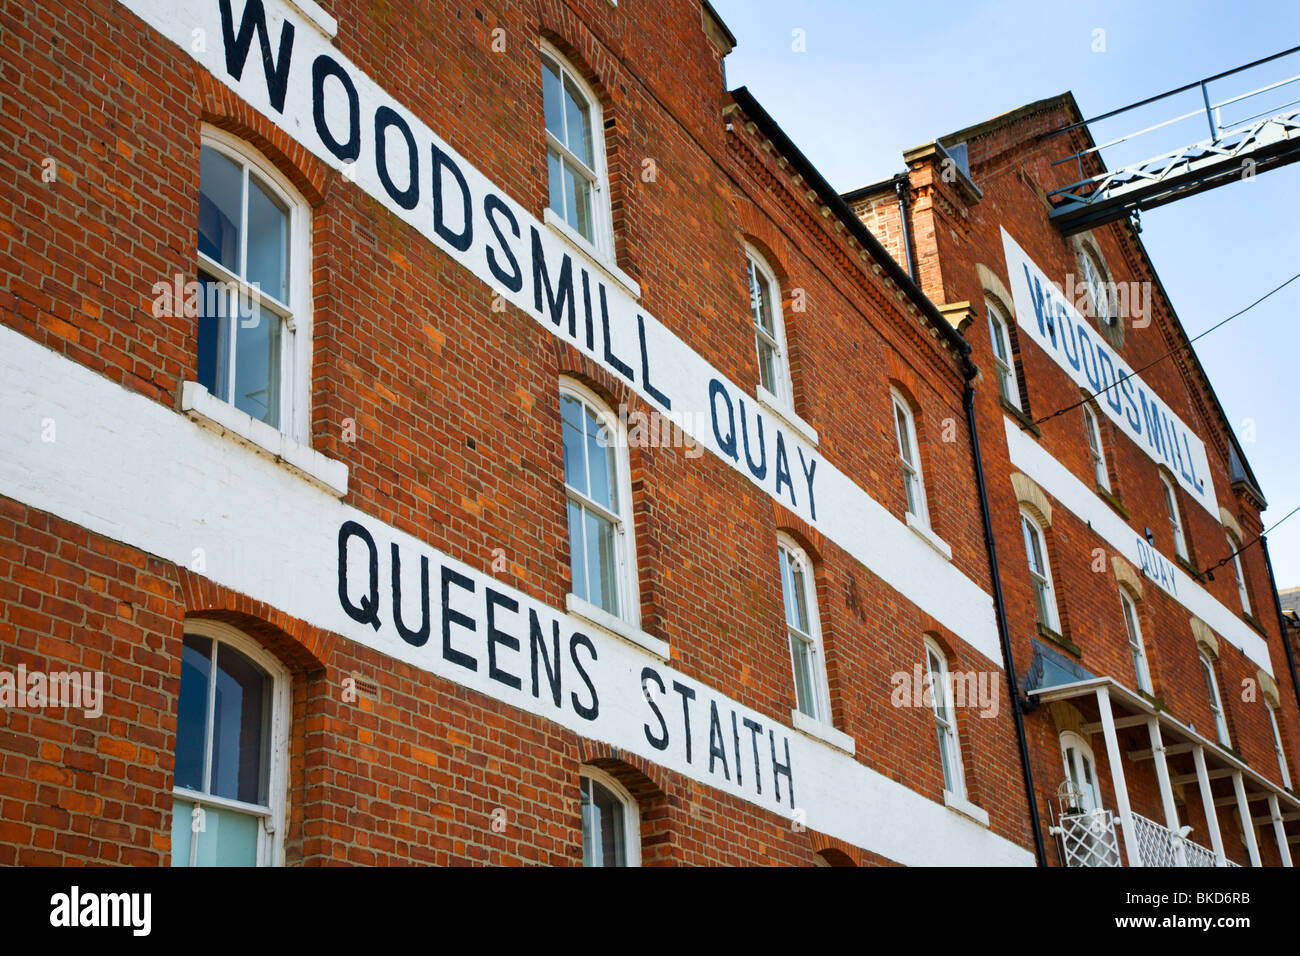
{"x": 1092, "y": 839}
{"x": 1160, "y": 846}
{"x": 1089, "y": 838}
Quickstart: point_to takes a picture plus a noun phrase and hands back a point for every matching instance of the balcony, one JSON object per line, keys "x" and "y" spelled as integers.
{"x": 1091, "y": 838}
{"x": 1167, "y": 758}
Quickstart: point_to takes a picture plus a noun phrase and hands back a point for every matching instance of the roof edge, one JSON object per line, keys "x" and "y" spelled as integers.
{"x": 837, "y": 204}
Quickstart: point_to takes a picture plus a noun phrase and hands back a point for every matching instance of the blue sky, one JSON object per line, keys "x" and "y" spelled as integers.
{"x": 877, "y": 78}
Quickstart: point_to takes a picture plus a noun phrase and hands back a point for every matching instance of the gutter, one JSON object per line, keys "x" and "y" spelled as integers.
{"x": 999, "y": 607}
{"x": 901, "y": 186}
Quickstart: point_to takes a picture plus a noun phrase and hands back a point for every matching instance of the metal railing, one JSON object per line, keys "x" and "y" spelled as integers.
{"x": 1233, "y": 142}
{"x": 1160, "y": 846}
{"x": 1088, "y": 838}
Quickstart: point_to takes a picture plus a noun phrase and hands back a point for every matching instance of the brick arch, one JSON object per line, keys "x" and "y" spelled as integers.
{"x": 220, "y": 106}
{"x": 994, "y": 289}
{"x": 300, "y": 646}
{"x": 809, "y": 538}
{"x": 1127, "y": 576}
{"x": 1204, "y": 637}
{"x": 1028, "y": 493}
{"x": 570, "y": 363}
{"x": 648, "y": 785}
{"x": 833, "y": 850}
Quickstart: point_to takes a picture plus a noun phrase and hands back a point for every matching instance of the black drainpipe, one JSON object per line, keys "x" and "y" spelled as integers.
{"x": 999, "y": 608}
{"x": 1281, "y": 620}
{"x": 901, "y": 186}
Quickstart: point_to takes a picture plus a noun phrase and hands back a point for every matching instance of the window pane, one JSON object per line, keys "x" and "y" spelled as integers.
{"x": 214, "y": 339}
{"x": 228, "y": 838}
{"x": 239, "y": 727}
{"x": 220, "y": 207}
{"x": 904, "y": 435}
{"x": 909, "y": 485}
{"x": 590, "y": 826}
{"x": 1040, "y": 598}
{"x": 995, "y": 332}
{"x": 257, "y": 366}
{"x": 945, "y": 756}
{"x": 268, "y": 241}
{"x": 766, "y": 365}
{"x": 803, "y": 676}
{"x": 760, "y": 305}
{"x": 552, "y": 100}
{"x": 182, "y": 827}
{"x": 577, "y": 194}
{"x": 798, "y": 598}
{"x": 603, "y": 827}
{"x": 555, "y": 182}
{"x": 192, "y": 712}
{"x": 577, "y": 116}
{"x": 577, "y": 552}
{"x": 612, "y": 826}
{"x": 1033, "y": 549}
{"x": 601, "y": 566}
{"x": 572, "y": 415}
{"x": 604, "y": 485}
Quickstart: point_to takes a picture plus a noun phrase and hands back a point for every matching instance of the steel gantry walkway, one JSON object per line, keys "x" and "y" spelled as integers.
{"x": 1237, "y": 148}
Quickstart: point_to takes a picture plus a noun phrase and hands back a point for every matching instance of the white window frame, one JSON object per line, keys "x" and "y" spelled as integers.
{"x": 1234, "y": 547}
{"x": 912, "y": 471}
{"x": 1092, "y": 426}
{"x": 942, "y": 706}
{"x": 797, "y": 557}
{"x": 601, "y": 245}
{"x": 759, "y": 271}
{"x": 1277, "y": 745}
{"x": 1000, "y": 334}
{"x": 625, "y": 574}
{"x": 1097, "y": 285}
{"x": 631, "y": 812}
{"x": 271, "y": 816}
{"x": 1083, "y": 760}
{"x": 1137, "y": 648}
{"x": 1216, "y": 699}
{"x": 1041, "y": 579}
{"x": 1175, "y": 517}
{"x": 296, "y": 316}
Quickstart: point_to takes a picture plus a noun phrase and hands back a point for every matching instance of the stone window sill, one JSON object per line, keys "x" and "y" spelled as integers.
{"x": 1060, "y": 640}
{"x": 616, "y": 627}
{"x": 225, "y": 419}
{"x": 590, "y": 252}
{"x": 1024, "y": 421}
{"x": 322, "y": 21}
{"x": 926, "y": 534}
{"x": 959, "y": 804}
{"x": 823, "y": 732}
{"x": 784, "y": 412}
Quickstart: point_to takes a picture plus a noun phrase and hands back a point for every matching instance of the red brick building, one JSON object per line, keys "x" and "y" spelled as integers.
{"x": 441, "y": 433}
{"x": 1158, "y": 691}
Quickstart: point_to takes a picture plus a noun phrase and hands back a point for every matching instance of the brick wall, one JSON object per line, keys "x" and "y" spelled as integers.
{"x": 458, "y": 441}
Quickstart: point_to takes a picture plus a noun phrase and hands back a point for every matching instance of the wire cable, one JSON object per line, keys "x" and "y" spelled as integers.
{"x": 1187, "y": 345}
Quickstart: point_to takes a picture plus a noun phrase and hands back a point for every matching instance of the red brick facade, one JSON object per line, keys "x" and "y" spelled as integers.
{"x": 443, "y": 405}
{"x": 959, "y": 257}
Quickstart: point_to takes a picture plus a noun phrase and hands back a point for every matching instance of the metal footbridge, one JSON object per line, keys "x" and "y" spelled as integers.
{"x": 1249, "y": 133}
